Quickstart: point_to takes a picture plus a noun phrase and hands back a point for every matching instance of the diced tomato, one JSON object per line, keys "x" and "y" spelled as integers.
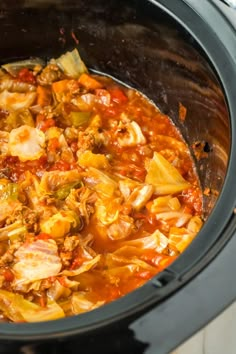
{"x": 44, "y": 236}
{"x": 53, "y": 144}
{"x": 104, "y": 96}
{"x": 61, "y": 166}
{"x": 8, "y": 275}
{"x": 74, "y": 146}
{"x": 52, "y": 279}
{"x": 62, "y": 281}
{"x": 26, "y": 76}
{"x": 140, "y": 216}
{"x": 77, "y": 262}
{"x": 123, "y": 172}
{"x": 140, "y": 174}
{"x": 39, "y": 118}
{"x": 158, "y": 260}
{"x": 111, "y": 111}
{"x": 144, "y": 275}
{"x": 117, "y": 95}
{"x": 17, "y": 167}
{"x": 43, "y": 300}
{"x": 151, "y": 257}
{"x": 44, "y": 124}
{"x": 35, "y": 165}
{"x": 114, "y": 293}
{"x": 187, "y": 210}
{"x": 192, "y": 198}
{"x": 101, "y": 92}
{"x": 152, "y": 219}
{"x": 166, "y": 261}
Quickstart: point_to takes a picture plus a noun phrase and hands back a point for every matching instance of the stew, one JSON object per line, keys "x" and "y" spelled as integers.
{"x": 98, "y": 190}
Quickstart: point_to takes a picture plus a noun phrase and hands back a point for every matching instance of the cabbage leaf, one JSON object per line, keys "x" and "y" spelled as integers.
{"x": 165, "y": 178}
{"x": 15, "y": 307}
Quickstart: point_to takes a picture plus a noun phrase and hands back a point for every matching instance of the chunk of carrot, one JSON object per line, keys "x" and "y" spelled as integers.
{"x": 43, "y": 96}
{"x": 60, "y": 86}
{"x": 89, "y": 82}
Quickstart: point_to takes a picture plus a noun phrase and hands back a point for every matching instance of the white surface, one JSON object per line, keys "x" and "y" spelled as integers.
{"x": 231, "y": 14}
{"x": 219, "y": 337}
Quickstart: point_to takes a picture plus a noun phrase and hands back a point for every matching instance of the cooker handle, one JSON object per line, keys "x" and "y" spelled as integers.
{"x": 230, "y": 3}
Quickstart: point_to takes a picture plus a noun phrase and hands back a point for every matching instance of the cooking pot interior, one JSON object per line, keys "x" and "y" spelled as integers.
{"x": 139, "y": 44}
{"x": 143, "y": 48}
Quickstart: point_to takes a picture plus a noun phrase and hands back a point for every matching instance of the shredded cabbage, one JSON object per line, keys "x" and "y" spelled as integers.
{"x": 15, "y": 307}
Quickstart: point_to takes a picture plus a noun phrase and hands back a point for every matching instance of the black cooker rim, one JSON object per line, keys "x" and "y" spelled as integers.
{"x": 195, "y": 20}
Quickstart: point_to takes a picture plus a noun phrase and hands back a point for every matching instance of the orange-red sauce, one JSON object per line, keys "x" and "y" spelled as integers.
{"x": 113, "y": 103}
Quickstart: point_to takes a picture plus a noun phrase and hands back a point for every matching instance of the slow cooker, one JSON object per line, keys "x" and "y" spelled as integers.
{"x": 172, "y": 51}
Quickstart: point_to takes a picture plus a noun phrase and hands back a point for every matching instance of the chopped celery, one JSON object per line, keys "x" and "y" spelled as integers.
{"x": 54, "y": 180}
{"x": 13, "y": 231}
{"x": 71, "y": 64}
{"x": 79, "y": 118}
{"x": 64, "y": 191}
{"x": 9, "y": 191}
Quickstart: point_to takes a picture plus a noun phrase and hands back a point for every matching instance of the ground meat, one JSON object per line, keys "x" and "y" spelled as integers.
{"x": 66, "y": 258}
{"x": 49, "y": 75}
{"x": 28, "y": 217}
{"x": 86, "y": 141}
{"x": 2, "y": 279}
{"x": 8, "y": 256}
{"x": 30, "y": 220}
{"x": 66, "y": 254}
{"x": 71, "y": 242}
{"x": 9, "y": 208}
